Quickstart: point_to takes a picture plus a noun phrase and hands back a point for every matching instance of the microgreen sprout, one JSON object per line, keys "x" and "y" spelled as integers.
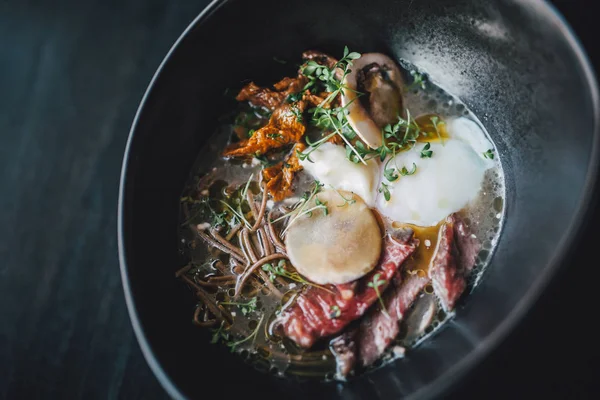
{"x": 375, "y": 283}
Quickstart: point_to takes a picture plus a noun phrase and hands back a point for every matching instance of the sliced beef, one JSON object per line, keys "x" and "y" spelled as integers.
{"x": 454, "y": 258}
{"x": 378, "y": 329}
{"x": 319, "y": 313}
{"x": 343, "y": 348}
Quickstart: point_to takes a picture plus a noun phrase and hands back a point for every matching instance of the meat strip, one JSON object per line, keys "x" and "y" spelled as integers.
{"x": 318, "y": 313}
{"x": 344, "y": 349}
{"x": 454, "y": 258}
{"x": 378, "y": 329}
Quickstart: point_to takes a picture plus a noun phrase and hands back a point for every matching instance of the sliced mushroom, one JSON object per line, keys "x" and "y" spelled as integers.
{"x": 337, "y": 246}
{"x": 420, "y": 317}
{"x": 379, "y": 77}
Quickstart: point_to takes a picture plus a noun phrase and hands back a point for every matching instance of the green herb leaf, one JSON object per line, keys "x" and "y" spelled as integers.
{"x": 489, "y": 154}
{"x": 386, "y": 191}
{"x": 351, "y": 200}
{"x": 219, "y": 334}
{"x": 426, "y": 153}
{"x": 418, "y": 80}
{"x": 322, "y": 205}
{"x": 280, "y": 270}
{"x": 375, "y": 283}
{"x": 405, "y": 172}
{"x": 233, "y": 345}
{"x": 390, "y": 173}
{"x": 246, "y": 308}
{"x": 294, "y": 97}
{"x": 334, "y": 312}
{"x": 436, "y": 123}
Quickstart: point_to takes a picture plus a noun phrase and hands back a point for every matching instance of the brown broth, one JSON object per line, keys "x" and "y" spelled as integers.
{"x": 252, "y": 330}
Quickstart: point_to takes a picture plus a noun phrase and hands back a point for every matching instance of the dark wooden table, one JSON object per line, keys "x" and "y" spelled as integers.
{"x": 71, "y": 76}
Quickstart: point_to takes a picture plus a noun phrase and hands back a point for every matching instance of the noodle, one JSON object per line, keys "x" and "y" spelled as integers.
{"x": 273, "y": 235}
{"x": 253, "y": 267}
{"x": 263, "y": 207}
{"x": 215, "y": 244}
{"x": 225, "y": 243}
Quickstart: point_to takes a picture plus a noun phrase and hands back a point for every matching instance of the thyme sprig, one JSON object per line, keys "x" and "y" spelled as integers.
{"x": 280, "y": 270}
{"x": 375, "y": 283}
{"x": 321, "y": 78}
{"x": 234, "y": 344}
{"x": 301, "y": 209}
{"x": 246, "y": 307}
{"x": 349, "y": 201}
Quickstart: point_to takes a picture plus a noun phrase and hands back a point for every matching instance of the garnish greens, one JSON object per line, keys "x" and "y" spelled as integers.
{"x": 300, "y": 208}
{"x": 246, "y": 308}
{"x": 390, "y": 173}
{"x": 204, "y": 210}
{"x": 237, "y": 201}
{"x": 375, "y": 283}
{"x": 294, "y": 97}
{"x": 418, "y": 80}
{"x": 233, "y": 345}
{"x": 405, "y": 172}
{"x": 245, "y": 190}
{"x": 322, "y": 205}
{"x": 386, "y": 191}
{"x": 435, "y": 120}
{"x": 279, "y": 270}
{"x": 296, "y": 111}
{"x": 489, "y": 154}
{"x": 219, "y": 334}
{"x": 229, "y": 214}
{"x": 349, "y": 201}
{"x": 324, "y": 79}
{"x": 237, "y": 213}
{"x": 426, "y": 153}
{"x": 335, "y": 312}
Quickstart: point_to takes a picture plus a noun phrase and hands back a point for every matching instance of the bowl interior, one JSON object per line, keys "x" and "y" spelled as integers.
{"x": 512, "y": 62}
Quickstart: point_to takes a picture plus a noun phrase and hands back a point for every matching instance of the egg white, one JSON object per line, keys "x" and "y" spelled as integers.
{"x": 331, "y": 167}
{"x": 442, "y": 184}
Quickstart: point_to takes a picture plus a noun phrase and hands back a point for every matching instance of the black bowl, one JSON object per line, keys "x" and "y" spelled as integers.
{"x": 514, "y": 63}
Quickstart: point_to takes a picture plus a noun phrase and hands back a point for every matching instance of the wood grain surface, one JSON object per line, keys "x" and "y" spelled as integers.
{"x": 71, "y": 76}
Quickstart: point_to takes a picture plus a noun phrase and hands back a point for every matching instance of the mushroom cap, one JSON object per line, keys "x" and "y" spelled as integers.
{"x": 336, "y": 248}
{"x": 358, "y": 117}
